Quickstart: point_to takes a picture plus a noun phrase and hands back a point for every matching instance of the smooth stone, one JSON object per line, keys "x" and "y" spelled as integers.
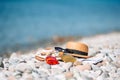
{"x": 1, "y": 62}
{"x": 118, "y": 71}
{"x": 55, "y": 71}
{"x": 46, "y": 66}
{"x": 111, "y": 74}
{"x": 51, "y": 77}
{"x": 14, "y": 58}
{"x": 31, "y": 64}
{"x": 44, "y": 75}
{"x": 42, "y": 70}
{"x": 11, "y": 78}
{"x": 60, "y": 77}
{"x": 58, "y": 67}
{"x": 6, "y": 73}
{"x": 14, "y": 55}
{"x": 85, "y": 75}
{"x": 35, "y": 76}
{"x": 87, "y": 78}
{"x": 113, "y": 57}
{"x": 43, "y": 78}
{"x": 72, "y": 79}
{"x": 11, "y": 68}
{"x": 107, "y": 59}
{"x": 99, "y": 56}
{"x": 100, "y": 78}
{"x": 67, "y": 66}
{"x": 76, "y": 75}
{"x": 98, "y": 72}
{"x": 117, "y": 64}
{"x": 83, "y": 67}
{"x": 68, "y": 75}
{"x": 95, "y": 74}
{"x": 93, "y": 51}
{"x": 55, "y": 66}
{"x": 14, "y": 61}
{"x": 6, "y": 63}
{"x": 17, "y": 74}
{"x": 2, "y": 76}
{"x": 37, "y": 64}
{"x": 105, "y": 74}
{"x": 27, "y": 76}
{"x": 77, "y": 63}
{"x": 22, "y": 67}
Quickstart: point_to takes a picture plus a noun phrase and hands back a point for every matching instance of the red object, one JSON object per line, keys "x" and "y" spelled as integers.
{"x": 51, "y": 60}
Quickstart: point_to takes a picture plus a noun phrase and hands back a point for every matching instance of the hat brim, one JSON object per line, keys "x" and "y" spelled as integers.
{"x": 78, "y": 55}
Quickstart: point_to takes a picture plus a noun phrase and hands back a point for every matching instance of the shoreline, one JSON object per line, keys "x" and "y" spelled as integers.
{"x": 51, "y": 42}
{"x": 44, "y": 43}
{"x": 104, "y": 63}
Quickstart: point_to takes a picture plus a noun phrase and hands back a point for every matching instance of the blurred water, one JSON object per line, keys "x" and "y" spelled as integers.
{"x": 26, "y": 21}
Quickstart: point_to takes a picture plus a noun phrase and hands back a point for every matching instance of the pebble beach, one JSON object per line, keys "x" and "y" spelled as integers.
{"x": 104, "y": 63}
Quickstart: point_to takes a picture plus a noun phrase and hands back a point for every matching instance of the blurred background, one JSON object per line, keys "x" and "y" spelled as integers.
{"x": 31, "y": 23}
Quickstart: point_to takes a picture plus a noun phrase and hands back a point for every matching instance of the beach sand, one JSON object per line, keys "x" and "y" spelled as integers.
{"x": 104, "y": 63}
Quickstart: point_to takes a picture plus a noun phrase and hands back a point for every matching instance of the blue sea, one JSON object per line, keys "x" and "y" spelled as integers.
{"x": 27, "y": 21}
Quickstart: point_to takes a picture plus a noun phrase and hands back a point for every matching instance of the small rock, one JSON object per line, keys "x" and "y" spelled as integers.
{"x": 1, "y": 62}
{"x": 11, "y": 68}
{"x": 77, "y": 63}
{"x": 43, "y": 75}
{"x": 14, "y": 58}
{"x": 11, "y": 78}
{"x": 27, "y": 76}
{"x": 83, "y": 67}
{"x": 96, "y": 73}
{"x": 67, "y": 66}
{"x": 56, "y": 71}
{"x": 117, "y": 64}
{"x": 60, "y": 77}
{"x": 18, "y": 74}
{"x": 37, "y": 64}
{"x": 43, "y": 70}
{"x": 35, "y": 76}
{"x": 46, "y": 66}
{"x": 31, "y": 64}
{"x": 68, "y": 75}
{"x": 22, "y": 67}
{"x": 76, "y": 75}
{"x": 2, "y": 76}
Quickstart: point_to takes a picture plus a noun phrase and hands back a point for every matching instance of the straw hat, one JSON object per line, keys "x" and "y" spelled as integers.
{"x": 83, "y": 48}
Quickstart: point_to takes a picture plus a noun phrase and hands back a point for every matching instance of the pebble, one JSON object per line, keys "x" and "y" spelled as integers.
{"x": 77, "y": 63}
{"x": 103, "y": 65}
{"x": 67, "y": 66}
{"x": 68, "y": 75}
{"x": 1, "y": 62}
{"x": 22, "y": 67}
{"x": 11, "y": 78}
{"x": 46, "y": 66}
{"x": 56, "y": 71}
{"x": 11, "y": 68}
{"x": 60, "y": 77}
{"x": 83, "y": 67}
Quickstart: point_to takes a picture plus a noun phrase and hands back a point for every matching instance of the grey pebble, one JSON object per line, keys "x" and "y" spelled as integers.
{"x": 1, "y": 62}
